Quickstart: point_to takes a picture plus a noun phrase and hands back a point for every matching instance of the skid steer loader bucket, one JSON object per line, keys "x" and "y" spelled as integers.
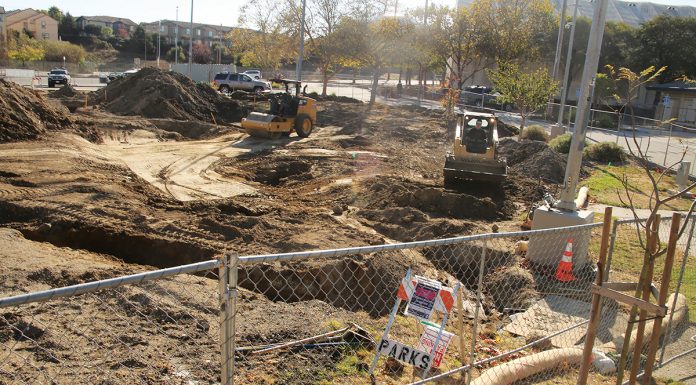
{"x": 468, "y": 170}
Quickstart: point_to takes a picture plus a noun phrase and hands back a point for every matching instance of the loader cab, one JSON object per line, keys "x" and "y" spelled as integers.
{"x": 474, "y": 155}
{"x": 476, "y": 135}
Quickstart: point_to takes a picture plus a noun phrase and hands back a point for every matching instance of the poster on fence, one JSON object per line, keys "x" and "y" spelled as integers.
{"x": 427, "y": 341}
{"x": 422, "y": 302}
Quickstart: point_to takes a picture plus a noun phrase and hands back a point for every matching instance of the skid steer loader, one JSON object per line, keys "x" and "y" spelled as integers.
{"x": 474, "y": 154}
{"x": 289, "y": 112}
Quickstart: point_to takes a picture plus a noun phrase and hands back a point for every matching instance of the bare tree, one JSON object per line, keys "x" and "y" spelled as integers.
{"x": 631, "y": 82}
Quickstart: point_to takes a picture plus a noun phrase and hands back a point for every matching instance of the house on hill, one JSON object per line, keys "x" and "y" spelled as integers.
{"x": 121, "y": 27}
{"x": 36, "y": 24}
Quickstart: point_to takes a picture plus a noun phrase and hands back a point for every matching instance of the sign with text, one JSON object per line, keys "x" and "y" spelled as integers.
{"x": 427, "y": 341}
{"x": 422, "y": 302}
{"x": 405, "y": 354}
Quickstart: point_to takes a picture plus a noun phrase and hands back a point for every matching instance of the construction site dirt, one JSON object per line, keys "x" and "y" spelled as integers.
{"x": 161, "y": 184}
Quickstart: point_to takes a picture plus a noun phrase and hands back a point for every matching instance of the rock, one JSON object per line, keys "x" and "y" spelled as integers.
{"x": 337, "y": 210}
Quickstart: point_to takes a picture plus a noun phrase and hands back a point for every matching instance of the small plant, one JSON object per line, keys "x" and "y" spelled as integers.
{"x": 605, "y": 152}
{"x": 561, "y": 143}
{"x": 535, "y": 132}
{"x": 604, "y": 120}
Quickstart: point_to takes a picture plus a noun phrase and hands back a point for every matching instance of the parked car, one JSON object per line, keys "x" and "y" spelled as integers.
{"x": 227, "y": 82}
{"x": 58, "y": 76}
{"x": 482, "y": 96}
{"x": 255, "y": 74}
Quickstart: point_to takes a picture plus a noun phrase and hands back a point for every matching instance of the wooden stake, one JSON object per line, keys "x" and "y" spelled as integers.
{"x": 596, "y": 300}
{"x": 640, "y": 333}
{"x": 664, "y": 290}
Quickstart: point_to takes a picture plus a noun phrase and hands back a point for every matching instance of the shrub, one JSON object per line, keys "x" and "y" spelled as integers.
{"x": 56, "y": 50}
{"x": 535, "y": 132}
{"x": 561, "y": 143}
{"x": 605, "y": 152}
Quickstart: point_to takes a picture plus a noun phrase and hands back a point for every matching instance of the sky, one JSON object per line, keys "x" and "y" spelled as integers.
{"x": 205, "y": 11}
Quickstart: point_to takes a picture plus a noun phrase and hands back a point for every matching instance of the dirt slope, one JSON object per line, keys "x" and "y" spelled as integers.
{"x": 25, "y": 114}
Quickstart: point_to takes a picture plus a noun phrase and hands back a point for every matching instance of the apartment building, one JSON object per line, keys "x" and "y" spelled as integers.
{"x": 201, "y": 34}
{"x": 122, "y": 27}
{"x": 35, "y": 23}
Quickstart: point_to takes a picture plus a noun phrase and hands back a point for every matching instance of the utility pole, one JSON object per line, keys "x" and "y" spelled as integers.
{"x": 176, "y": 37}
{"x": 425, "y": 13}
{"x": 564, "y": 89}
{"x": 301, "y": 54}
{"x": 159, "y": 36}
{"x": 220, "y": 45}
{"x": 190, "y": 58}
{"x": 589, "y": 74}
{"x": 559, "y": 42}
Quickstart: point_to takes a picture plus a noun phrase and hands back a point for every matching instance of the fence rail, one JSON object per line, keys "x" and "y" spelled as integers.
{"x": 263, "y": 318}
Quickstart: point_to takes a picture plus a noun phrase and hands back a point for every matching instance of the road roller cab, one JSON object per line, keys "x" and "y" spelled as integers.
{"x": 290, "y": 111}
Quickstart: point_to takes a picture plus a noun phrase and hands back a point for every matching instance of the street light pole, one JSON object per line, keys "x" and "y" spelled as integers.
{"x": 159, "y": 36}
{"x": 190, "y": 58}
{"x": 301, "y": 54}
{"x": 559, "y": 42}
{"x": 564, "y": 89}
{"x": 176, "y": 37}
{"x": 594, "y": 46}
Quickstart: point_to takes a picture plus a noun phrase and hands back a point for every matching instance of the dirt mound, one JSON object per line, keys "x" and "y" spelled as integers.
{"x": 67, "y": 91}
{"x": 154, "y": 93}
{"x": 533, "y": 159}
{"x": 408, "y": 224}
{"x": 511, "y": 287}
{"x": 476, "y": 203}
{"x": 24, "y": 114}
{"x": 507, "y": 130}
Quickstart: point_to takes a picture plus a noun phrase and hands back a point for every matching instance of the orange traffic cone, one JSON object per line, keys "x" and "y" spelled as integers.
{"x": 564, "y": 273}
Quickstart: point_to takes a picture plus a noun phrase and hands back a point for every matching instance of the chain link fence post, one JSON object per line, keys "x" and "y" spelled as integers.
{"x": 479, "y": 294}
{"x": 228, "y": 309}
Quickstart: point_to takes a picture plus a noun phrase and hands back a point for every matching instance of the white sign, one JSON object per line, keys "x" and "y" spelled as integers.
{"x": 405, "y": 354}
{"x": 427, "y": 341}
{"x": 666, "y": 100}
{"x": 422, "y": 301}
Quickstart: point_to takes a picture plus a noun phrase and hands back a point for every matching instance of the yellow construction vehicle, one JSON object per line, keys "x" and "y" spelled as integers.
{"x": 474, "y": 154}
{"x": 288, "y": 113}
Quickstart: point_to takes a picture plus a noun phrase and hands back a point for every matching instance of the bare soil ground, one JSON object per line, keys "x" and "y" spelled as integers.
{"x": 162, "y": 191}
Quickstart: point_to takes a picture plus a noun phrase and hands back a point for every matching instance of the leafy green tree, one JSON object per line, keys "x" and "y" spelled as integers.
{"x": 67, "y": 28}
{"x": 24, "y": 49}
{"x": 55, "y": 13}
{"x": 670, "y": 42}
{"x": 528, "y": 91}
{"x": 265, "y": 39}
{"x": 171, "y": 55}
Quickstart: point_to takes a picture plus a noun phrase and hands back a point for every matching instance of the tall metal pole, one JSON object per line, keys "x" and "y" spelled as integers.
{"x": 594, "y": 46}
{"x": 566, "y": 73}
{"x": 190, "y": 58}
{"x": 176, "y": 37}
{"x": 559, "y": 42}
{"x": 301, "y": 54}
{"x": 159, "y": 36}
{"x": 220, "y": 45}
{"x": 425, "y": 13}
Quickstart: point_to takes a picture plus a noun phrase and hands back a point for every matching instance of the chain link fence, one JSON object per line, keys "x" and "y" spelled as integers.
{"x": 320, "y": 317}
